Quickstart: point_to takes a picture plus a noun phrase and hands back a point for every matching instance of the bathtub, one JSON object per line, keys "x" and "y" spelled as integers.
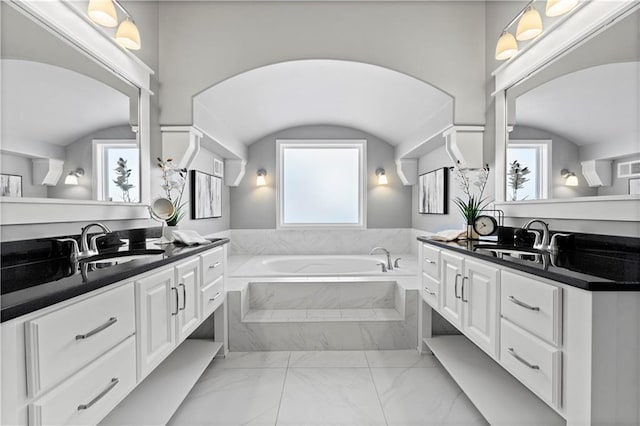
{"x": 319, "y": 265}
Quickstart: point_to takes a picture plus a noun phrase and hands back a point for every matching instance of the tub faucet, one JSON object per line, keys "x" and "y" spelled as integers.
{"x": 542, "y": 236}
{"x": 386, "y": 252}
{"x": 86, "y": 250}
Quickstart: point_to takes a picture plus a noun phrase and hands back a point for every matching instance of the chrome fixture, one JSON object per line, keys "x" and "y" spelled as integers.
{"x": 542, "y": 236}
{"x": 384, "y": 267}
{"x": 91, "y": 250}
{"x": 553, "y": 244}
{"x": 396, "y": 265}
{"x": 75, "y": 252}
{"x": 72, "y": 177}
{"x": 386, "y": 252}
{"x": 382, "y": 177}
{"x": 261, "y": 180}
{"x": 570, "y": 177}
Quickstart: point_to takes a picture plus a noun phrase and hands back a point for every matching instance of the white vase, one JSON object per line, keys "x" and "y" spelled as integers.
{"x": 471, "y": 233}
{"x": 167, "y": 233}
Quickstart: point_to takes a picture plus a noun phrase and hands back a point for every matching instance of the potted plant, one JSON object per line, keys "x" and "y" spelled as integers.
{"x": 471, "y": 207}
{"x": 517, "y": 178}
{"x": 122, "y": 179}
{"x": 174, "y": 179}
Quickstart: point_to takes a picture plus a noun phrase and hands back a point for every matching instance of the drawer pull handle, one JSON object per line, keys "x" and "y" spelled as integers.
{"x": 214, "y": 266}
{"x": 524, "y": 305}
{"x": 98, "y": 329}
{"x": 114, "y": 381}
{"x": 177, "y": 302}
{"x": 215, "y": 297}
{"x": 513, "y": 353}
{"x": 462, "y": 290}
{"x": 426, "y": 259}
{"x": 429, "y": 291}
{"x": 455, "y": 286}
{"x": 184, "y": 296}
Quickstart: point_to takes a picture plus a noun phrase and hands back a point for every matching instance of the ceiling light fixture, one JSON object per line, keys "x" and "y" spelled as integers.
{"x": 260, "y": 180}
{"x": 570, "y": 178}
{"x": 103, "y": 12}
{"x": 72, "y": 177}
{"x": 382, "y": 177}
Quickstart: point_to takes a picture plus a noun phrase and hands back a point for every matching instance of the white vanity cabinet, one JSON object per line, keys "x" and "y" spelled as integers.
{"x": 188, "y": 284}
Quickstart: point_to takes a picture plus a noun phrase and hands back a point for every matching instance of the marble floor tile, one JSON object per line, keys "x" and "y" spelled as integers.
{"x": 324, "y": 359}
{"x": 274, "y": 359}
{"x": 363, "y": 313}
{"x": 336, "y": 396}
{"x": 323, "y": 313}
{"x": 409, "y": 358}
{"x": 423, "y": 396}
{"x": 288, "y": 314}
{"x": 233, "y": 397}
{"x": 257, "y": 315}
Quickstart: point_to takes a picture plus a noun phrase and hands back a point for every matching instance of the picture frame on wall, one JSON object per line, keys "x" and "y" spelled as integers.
{"x": 206, "y": 195}
{"x": 433, "y": 192}
{"x": 10, "y": 185}
{"x": 634, "y": 186}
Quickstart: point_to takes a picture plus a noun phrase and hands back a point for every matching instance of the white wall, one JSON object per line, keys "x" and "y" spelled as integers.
{"x": 388, "y": 206}
{"x": 21, "y": 166}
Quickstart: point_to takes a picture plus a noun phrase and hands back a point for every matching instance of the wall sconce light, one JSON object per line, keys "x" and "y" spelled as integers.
{"x": 570, "y": 178}
{"x": 382, "y": 177}
{"x": 72, "y": 177}
{"x": 260, "y": 180}
{"x": 103, "y": 12}
{"x": 529, "y": 25}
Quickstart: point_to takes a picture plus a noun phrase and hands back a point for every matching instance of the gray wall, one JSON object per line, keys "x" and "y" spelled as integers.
{"x": 619, "y": 186}
{"x": 21, "y": 166}
{"x": 255, "y": 207}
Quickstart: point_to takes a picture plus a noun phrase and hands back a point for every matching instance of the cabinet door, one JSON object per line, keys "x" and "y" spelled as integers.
{"x": 451, "y": 281}
{"x": 480, "y": 299}
{"x": 188, "y": 285}
{"x": 157, "y": 305}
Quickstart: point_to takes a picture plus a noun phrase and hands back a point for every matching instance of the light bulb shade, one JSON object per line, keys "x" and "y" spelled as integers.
{"x": 260, "y": 180}
{"x": 530, "y": 25}
{"x": 382, "y": 177}
{"x": 507, "y": 46}
{"x": 559, "y": 7}
{"x": 572, "y": 180}
{"x": 71, "y": 179}
{"x": 103, "y": 12}
{"x": 128, "y": 35}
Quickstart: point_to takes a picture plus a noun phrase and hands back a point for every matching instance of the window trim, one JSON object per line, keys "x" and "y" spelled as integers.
{"x": 360, "y": 144}
{"x": 544, "y": 147}
{"x": 99, "y": 177}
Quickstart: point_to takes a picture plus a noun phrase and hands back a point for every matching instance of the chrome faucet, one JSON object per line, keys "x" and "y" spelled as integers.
{"x": 542, "y": 236}
{"x": 90, "y": 250}
{"x": 386, "y": 252}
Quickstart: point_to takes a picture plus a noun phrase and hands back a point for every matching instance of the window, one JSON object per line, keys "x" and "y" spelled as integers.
{"x": 321, "y": 183}
{"x": 106, "y": 154}
{"x": 533, "y": 154}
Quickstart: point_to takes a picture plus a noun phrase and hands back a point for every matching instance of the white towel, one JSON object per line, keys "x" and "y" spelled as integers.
{"x": 450, "y": 235}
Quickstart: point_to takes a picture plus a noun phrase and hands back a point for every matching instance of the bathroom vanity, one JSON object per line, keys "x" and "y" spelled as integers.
{"x": 566, "y": 327}
{"x": 110, "y": 333}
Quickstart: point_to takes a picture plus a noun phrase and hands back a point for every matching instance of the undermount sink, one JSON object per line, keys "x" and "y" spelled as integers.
{"x": 104, "y": 260}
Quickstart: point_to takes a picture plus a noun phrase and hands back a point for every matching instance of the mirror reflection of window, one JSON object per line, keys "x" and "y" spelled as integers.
{"x": 117, "y": 171}
{"x": 534, "y": 156}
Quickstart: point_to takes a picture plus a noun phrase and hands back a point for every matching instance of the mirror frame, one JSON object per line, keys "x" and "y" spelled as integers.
{"x": 63, "y": 20}
{"x": 583, "y": 24}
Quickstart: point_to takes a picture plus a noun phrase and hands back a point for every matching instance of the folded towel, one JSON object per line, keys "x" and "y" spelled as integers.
{"x": 189, "y": 238}
{"x": 450, "y": 235}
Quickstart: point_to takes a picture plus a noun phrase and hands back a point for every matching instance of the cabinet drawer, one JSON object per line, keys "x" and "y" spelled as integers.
{"x": 533, "y": 305}
{"x": 60, "y": 343}
{"x": 212, "y": 265}
{"x": 535, "y": 363}
{"x": 212, "y": 296}
{"x": 430, "y": 290}
{"x": 431, "y": 261}
{"x": 87, "y": 396}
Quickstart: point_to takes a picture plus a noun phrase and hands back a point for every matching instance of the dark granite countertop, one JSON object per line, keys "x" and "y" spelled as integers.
{"x": 593, "y": 269}
{"x": 27, "y": 287}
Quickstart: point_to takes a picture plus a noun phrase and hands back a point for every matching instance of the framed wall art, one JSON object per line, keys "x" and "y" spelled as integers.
{"x": 10, "y": 185}
{"x": 433, "y": 187}
{"x": 206, "y": 195}
{"x": 634, "y": 186}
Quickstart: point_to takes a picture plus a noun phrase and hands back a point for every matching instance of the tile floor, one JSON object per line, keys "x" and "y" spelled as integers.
{"x": 326, "y": 388}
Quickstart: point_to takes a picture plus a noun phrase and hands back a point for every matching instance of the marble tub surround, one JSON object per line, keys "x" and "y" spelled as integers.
{"x": 399, "y": 387}
{"x": 325, "y": 241}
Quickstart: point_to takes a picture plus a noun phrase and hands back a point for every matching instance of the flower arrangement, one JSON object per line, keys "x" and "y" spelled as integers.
{"x": 174, "y": 179}
{"x": 122, "y": 179}
{"x": 517, "y": 178}
{"x": 473, "y": 205}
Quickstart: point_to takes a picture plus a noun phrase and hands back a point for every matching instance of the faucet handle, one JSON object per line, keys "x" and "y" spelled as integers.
{"x": 395, "y": 262}
{"x": 553, "y": 245}
{"x": 93, "y": 245}
{"x": 537, "y": 243}
{"x": 384, "y": 267}
{"x": 75, "y": 250}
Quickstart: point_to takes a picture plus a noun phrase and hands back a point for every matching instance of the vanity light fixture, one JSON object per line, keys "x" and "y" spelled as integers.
{"x": 103, "y": 12}
{"x": 260, "y": 180}
{"x": 382, "y": 177}
{"x": 72, "y": 177}
{"x": 559, "y": 7}
{"x": 570, "y": 178}
{"x": 530, "y": 24}
{"x": 507, "y": 46}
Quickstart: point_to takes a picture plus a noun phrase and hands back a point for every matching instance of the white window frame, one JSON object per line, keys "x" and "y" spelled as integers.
{"x": 99, "y": 147}
{"x": 360, "y": 144}
{"x": 543, "y": 147}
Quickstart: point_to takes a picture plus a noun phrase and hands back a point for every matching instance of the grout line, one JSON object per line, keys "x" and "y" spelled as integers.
{"x": 376, "y": 389}
{"x": 284, "y": 383}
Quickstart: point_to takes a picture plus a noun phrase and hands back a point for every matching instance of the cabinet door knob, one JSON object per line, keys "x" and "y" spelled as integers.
{"x": 98, "y": 329}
